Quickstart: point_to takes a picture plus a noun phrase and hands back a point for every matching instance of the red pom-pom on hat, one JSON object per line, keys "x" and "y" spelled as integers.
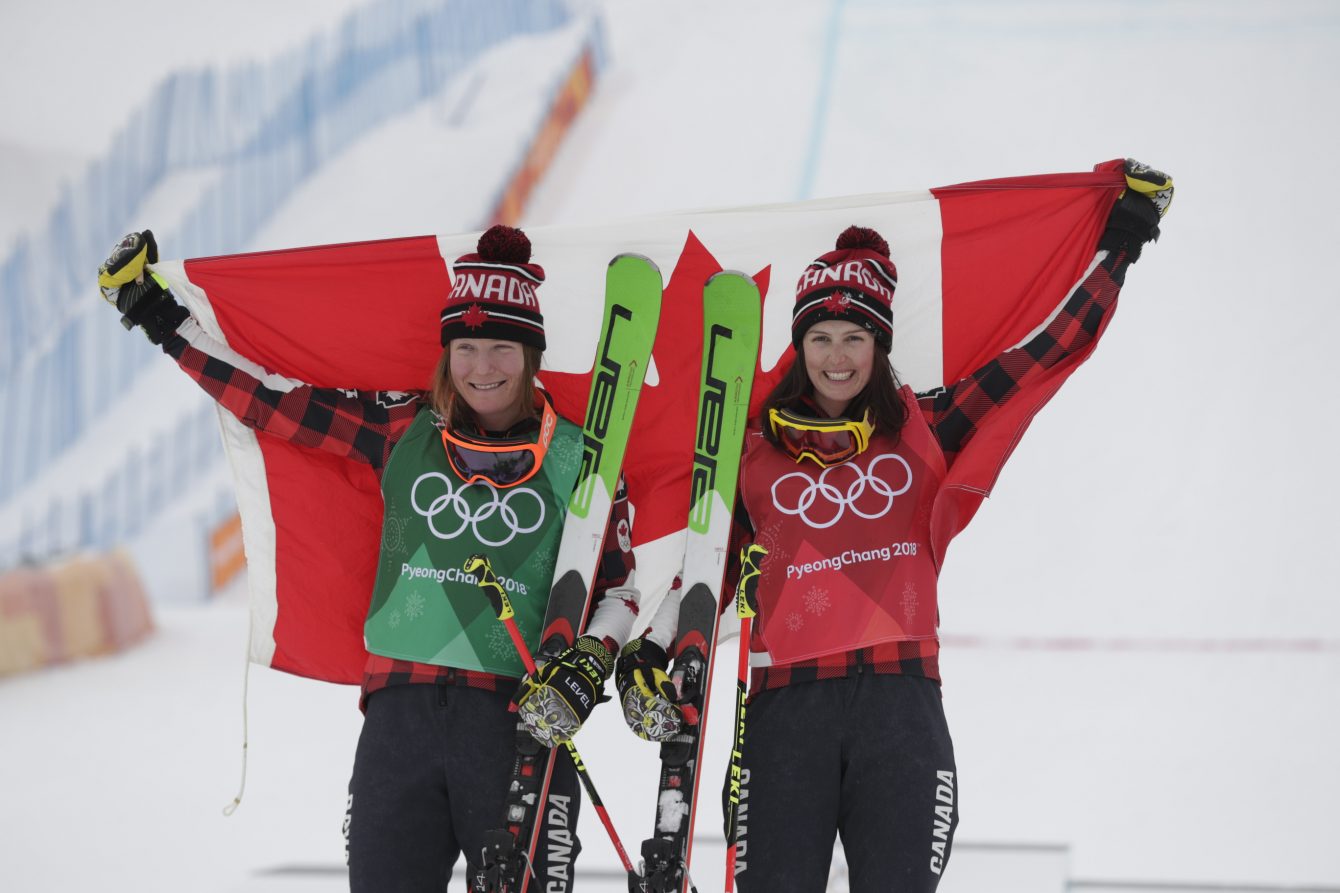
{"x": 862, "y": 237}
{"x": 503, "y": 244}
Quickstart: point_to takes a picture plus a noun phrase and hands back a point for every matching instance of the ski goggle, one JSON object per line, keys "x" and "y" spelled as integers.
{"x": 501, "y": 461}
{"x": 826, "y": 441}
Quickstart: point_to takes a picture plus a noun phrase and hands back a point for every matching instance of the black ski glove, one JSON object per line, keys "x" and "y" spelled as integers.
{"x": 555, "y": 702}
{"x": 1135, "y": 217}
{"x": 142, "y": 296}
{"x": 646, "y": 693}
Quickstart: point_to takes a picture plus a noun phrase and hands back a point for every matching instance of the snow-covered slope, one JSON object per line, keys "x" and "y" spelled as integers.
{"x": 1180, "y": 487}
{"x": 454, "y": 152}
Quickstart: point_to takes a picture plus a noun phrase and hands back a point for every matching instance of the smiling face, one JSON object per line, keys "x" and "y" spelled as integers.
{"x": 489, "y": 375}
{"x": 838, "y": 358}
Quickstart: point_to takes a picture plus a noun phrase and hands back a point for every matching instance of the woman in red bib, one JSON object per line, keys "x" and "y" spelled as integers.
{"x": 840, "y": 480}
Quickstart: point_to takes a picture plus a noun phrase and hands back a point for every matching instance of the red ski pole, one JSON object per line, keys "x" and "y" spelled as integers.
{"x": 502, "y": 606}
{"x": 746, "y": 606}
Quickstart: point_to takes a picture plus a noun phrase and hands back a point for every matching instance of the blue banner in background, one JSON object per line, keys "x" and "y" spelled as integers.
{"x": 257, "y": 132}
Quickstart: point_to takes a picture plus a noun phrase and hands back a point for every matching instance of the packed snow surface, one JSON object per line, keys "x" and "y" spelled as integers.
{"x": 1142, "y": 628}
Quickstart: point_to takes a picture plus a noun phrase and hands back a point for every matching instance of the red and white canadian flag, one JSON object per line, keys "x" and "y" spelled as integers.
{"x": 980, "y": 266}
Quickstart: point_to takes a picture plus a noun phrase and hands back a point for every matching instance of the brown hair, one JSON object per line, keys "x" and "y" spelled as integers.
{"x": 879, "y": 397}
{"x": 459, "y": 416}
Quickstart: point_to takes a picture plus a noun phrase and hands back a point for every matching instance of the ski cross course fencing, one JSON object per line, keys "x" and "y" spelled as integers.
{"x": 254, "y": 133}
{"x": 108, "y": 513}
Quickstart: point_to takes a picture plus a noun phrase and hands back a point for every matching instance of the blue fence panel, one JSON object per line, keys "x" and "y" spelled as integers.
{"x": 265, "y": 127}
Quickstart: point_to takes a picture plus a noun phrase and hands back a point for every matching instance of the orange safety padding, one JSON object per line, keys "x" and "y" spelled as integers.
{"x": 77, "y": 600}
{"x": 568, "y": 101}
{"x": 125, "y": 609}
{"x": 227, "y": 558}
{"x": 80, "y": 608}
{"x": 23, "y": 643}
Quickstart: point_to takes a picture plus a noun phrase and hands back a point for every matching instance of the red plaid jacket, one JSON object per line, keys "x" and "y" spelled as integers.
{"x": 955, "y": 413}
{"x": 364, "y": 427}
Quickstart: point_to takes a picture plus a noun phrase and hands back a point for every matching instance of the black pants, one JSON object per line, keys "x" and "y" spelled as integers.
{"x": 430, "y": 777}
{"x": 868, "y": 757}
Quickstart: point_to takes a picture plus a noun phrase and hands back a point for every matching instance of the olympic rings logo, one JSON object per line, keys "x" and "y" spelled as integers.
{"x": 453, "y": 503}
{"x": 843, "y": 499}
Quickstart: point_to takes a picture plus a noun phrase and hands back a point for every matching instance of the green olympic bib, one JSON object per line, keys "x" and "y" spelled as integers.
{"x": 425, "y": 607}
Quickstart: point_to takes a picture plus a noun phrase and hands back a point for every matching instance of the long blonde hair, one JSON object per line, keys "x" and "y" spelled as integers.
{"x": 442, "y": 393}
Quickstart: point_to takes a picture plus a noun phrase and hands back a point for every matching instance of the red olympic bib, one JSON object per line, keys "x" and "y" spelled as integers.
{"x": 850, "y": 561}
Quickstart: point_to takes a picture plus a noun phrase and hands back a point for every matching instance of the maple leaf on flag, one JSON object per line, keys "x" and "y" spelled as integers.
{"x": 475, "y": 317}
{"x": 1005, "y": 254}
{"x": 665, "y": 426}
{"x": 837, "y": 302}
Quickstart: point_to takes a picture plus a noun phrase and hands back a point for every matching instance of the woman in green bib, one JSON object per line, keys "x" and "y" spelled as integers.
{"x": 479, "y": 462}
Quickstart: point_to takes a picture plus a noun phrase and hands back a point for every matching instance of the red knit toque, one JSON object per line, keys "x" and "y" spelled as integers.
{"x": 854, "y": 282}
{"x": 493, "y": 291}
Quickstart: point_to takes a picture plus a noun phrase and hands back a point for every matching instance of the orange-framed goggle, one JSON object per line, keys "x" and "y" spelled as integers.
{"x": 501, "y": 461}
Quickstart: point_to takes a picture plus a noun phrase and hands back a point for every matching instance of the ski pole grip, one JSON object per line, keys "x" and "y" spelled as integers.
{"x": 487, "y": 581}
{"x": 746, "y": 588}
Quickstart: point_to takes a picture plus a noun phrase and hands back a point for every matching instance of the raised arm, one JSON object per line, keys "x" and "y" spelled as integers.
{"x": 354, "y": 425}
{"x": 956, "y": 412}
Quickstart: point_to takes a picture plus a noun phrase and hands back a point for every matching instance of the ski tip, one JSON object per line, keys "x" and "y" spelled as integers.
{"x": 640, "y": 258}
{"x": 732, "y": 274}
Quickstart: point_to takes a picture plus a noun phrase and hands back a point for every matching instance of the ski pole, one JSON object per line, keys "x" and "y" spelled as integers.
{"x": 502, "y": 606}
{"x": 746, "y": 601}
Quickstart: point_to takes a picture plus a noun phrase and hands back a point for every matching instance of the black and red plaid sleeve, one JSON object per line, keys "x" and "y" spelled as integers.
{"x": 956, "y": 412}
{"x": 355, "y": 425}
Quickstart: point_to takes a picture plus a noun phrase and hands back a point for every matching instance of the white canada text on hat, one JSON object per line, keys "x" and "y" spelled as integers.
{"x": 852, "y": 272}
{"x": 470, "y": 285}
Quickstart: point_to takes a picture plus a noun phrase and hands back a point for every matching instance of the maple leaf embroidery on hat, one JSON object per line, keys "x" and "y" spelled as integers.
{"x": 838, "y": 302}
{"x": 474, "y": 317}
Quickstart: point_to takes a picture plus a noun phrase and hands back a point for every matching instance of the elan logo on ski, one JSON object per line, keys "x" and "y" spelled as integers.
{"x": 596, "y": 429}
{"x": 732, "y": 311}
{"x": 633, "y": 289}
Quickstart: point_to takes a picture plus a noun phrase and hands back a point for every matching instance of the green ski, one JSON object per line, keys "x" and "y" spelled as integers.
{"x": 732, "y": 321}
{"x": 633, "y": 288}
